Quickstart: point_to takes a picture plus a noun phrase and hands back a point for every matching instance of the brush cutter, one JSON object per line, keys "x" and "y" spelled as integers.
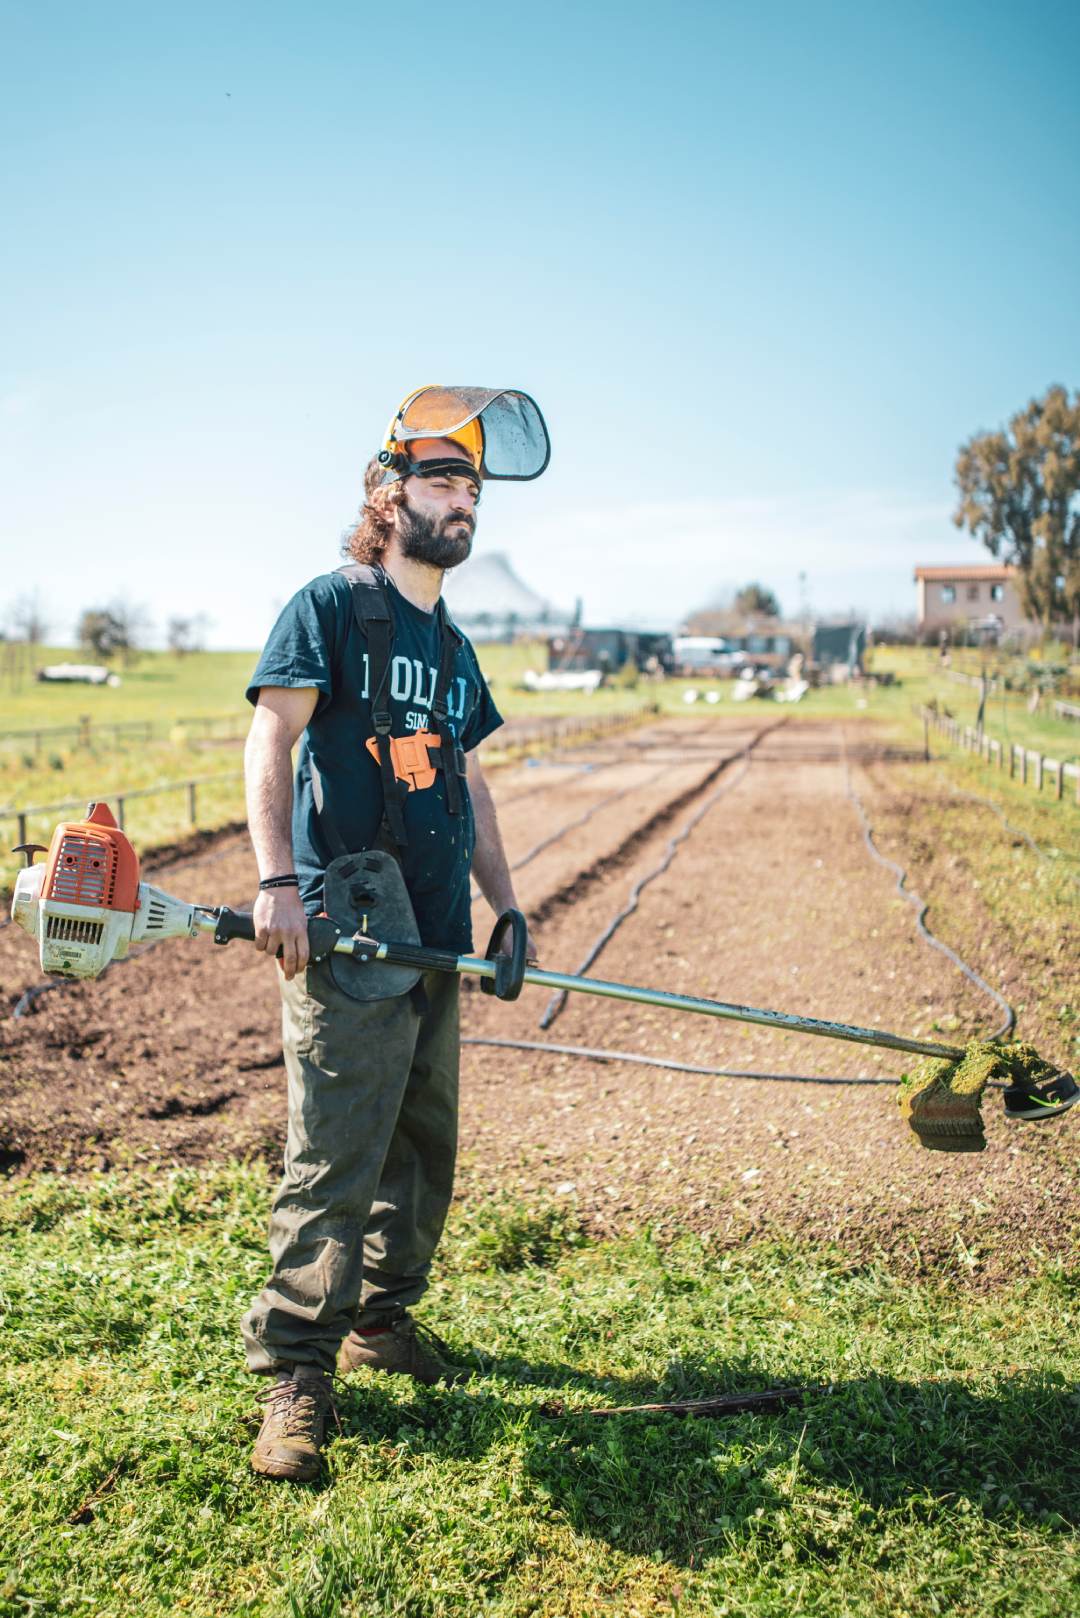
{"x": 86, "y": 906}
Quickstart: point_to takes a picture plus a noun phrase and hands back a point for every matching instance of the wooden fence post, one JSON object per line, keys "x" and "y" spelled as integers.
{"x": 120, "y": 810}
{"x": 1060, "y": 780}
{"x": 191, "y": 790}
{"x": 1038, "y": 772}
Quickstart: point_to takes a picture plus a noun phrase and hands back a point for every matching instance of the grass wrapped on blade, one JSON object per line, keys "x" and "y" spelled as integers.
{"x": 940, "y": 1099}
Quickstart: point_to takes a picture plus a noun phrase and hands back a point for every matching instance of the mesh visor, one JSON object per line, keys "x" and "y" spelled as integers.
{"x": 516, "y": 443}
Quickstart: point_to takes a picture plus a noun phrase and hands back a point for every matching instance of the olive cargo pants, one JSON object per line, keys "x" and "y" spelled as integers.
{"x": 369, "y": 1164}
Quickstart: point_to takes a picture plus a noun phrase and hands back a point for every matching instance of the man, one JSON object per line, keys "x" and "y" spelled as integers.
{"x": 362, "y": 665}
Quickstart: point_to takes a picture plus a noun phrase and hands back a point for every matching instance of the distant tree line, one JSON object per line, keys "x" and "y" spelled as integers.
{"x": 727, "y": 615}
{"x": 119, "y": 630}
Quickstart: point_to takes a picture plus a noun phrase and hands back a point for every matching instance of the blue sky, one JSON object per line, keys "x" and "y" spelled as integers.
{"x": 764, "y": 266}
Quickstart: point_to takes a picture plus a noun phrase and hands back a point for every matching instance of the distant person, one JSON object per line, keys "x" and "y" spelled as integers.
{"x": 359, "y": 661}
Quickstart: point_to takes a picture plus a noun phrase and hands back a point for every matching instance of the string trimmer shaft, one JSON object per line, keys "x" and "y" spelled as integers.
{"x": 507, "y": 974}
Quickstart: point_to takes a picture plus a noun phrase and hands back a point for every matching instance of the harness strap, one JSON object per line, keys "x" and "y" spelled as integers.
{"x": 374, "y": 619}
{"x": 372, "y": 613}
{"x": 452, "y": 755}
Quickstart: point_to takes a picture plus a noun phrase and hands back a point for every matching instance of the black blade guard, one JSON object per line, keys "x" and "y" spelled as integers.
{"x": 366, "y": 893}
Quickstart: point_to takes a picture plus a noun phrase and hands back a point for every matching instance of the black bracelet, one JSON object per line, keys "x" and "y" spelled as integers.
{"x": 289, "y": 881}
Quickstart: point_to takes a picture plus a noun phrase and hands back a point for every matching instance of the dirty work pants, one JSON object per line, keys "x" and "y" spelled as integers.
{"x": 369, "y": 1164}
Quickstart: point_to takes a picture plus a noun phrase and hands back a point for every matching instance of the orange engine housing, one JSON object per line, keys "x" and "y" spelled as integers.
{"x": 91, "y": 863}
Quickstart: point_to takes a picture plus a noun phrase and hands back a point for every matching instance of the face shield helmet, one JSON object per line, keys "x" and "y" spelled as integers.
{"x": 500, "y": 431}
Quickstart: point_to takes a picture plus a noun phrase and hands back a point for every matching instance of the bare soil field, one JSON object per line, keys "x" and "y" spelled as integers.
{"x": 772, "y": 899}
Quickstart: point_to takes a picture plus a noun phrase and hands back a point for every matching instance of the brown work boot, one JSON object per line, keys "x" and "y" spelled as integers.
{"x": 294, "y": 1424}
{"x": 402, "y": 1345}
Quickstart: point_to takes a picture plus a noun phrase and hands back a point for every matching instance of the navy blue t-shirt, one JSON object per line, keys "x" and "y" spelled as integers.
{"x": 316, "y": 642}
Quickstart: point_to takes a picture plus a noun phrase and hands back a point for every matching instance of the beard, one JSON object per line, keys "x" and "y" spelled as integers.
{"x": 442, "y": 542}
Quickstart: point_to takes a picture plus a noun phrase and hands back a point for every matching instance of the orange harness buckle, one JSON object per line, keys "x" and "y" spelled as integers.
{"x": 412, "y": 758}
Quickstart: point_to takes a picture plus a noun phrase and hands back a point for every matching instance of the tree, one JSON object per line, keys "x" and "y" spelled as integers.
{"x": 28, "y": 622}
{"x": 1019, "y": 493}
{"x": 755, "y": 599}
{"x": 117, "y": 629}
{"x": 23, "y": 629}
{"x": 185, "y": 635}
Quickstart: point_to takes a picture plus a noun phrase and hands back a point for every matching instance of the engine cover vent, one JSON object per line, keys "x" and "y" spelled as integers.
{"x": 155, "y": 916}
{"x": 70, "y": 930}
{"x": 84, "y": 871}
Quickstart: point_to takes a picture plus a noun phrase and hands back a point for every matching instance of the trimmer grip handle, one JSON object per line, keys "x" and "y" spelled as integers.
{"x": 234, "y": 924}
{"x": 509, "y": 969}
{"x": 322, "y": 932}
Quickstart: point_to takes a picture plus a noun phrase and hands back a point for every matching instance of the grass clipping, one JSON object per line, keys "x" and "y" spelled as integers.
{"x": 940, "y": 1099}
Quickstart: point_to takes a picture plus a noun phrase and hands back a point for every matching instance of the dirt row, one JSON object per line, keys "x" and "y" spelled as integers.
{"x": 773, "y": 900}
{"x": 173, "y": 1055}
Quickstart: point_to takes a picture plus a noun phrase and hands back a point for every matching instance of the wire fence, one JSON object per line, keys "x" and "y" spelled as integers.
{"x": 86, "y": 730}
{"x": 118, "y": 801}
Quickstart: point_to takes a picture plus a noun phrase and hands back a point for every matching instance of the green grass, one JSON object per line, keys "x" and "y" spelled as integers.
{"x": 160, "y": 687}
{"x": 939, "y": 1474}
{"x": 1006, "y": 716}
{"x": 163, "y": 689}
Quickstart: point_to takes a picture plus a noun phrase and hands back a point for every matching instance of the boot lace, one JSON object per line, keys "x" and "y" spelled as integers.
{"x": 300, "y": 1405}
{"x": 430, "y": 1339}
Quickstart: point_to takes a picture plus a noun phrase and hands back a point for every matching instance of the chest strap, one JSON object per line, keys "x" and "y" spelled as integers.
{"x": 372, "y": 612}
{"x": 371, "y": 609}
{"x": 449, "y": 641}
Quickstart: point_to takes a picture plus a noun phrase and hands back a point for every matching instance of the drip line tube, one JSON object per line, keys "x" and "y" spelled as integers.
{"x": 598, "y": 1055}
{"x": 558, "y": 1001}
{"x": 921, "y": 907}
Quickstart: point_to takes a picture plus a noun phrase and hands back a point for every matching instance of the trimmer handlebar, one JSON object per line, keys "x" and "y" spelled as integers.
{"x": 509, "y": 969}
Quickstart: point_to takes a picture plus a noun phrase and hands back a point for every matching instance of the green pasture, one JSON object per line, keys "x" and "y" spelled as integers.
{"x": 160, "y": 687}
{"x": 933, "y": 1470}
{"x": 160, "y": 691}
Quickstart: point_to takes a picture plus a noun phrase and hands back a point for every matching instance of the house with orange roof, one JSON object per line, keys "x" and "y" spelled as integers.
{"x": 967, "y": 595}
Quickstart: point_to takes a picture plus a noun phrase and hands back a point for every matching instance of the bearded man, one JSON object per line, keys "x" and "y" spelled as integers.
{"x": 359, "y": 661}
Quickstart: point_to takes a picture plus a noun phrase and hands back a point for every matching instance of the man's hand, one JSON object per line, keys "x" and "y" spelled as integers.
{"x": 281, "y": 923}
{"x": 532, "y": 954}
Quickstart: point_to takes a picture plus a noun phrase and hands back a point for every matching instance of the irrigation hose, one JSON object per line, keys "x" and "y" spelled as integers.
{"x": 558, "y": 1001}
{"x": 1051, "y": 856}
{"x": 921, "y": 906}
{"x": 599, "y": 1055}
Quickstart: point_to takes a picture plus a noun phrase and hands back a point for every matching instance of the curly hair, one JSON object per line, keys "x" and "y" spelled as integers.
{"x": 366, "y": 540}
